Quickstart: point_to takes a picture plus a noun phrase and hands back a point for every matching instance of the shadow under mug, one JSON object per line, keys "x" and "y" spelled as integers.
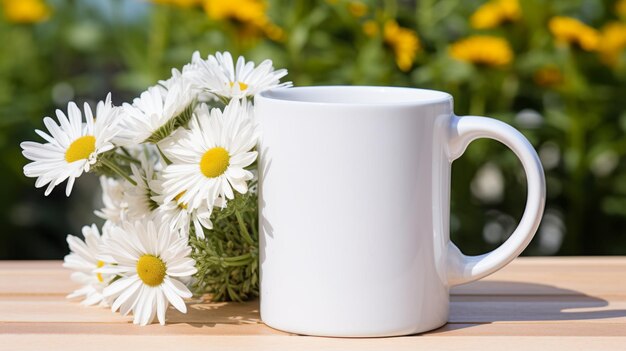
{"x": 354, "y": 205}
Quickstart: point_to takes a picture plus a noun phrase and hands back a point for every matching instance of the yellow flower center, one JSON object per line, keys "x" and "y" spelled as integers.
{"x": 214, "y": 162}
{"x": 242, "y": 86}
{"x": 99, "y": 275}
{"x": 181, "y": 205}
{"x": 151, "y": 270}
{"x": 80, "y": 149}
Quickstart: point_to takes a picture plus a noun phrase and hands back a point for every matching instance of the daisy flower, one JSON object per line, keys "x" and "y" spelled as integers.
{"x": 209, "y": 160}
{"x": 201, "y": 95}
{"x": 115, "y": 207}
{"x": 84, "y": 260}
{"x": 220, "y": 76}
{"x": 158, "y": 111}
{"x": 178, "y": 75}
{"x": 72, "y": 147}
{"x": 139, "y": 197}
{"x": 178, "y": 215}
{"x": 151, "y": 263}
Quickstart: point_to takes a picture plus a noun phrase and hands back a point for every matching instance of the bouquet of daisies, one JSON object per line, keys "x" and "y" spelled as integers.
{"x": 178, "y": 175}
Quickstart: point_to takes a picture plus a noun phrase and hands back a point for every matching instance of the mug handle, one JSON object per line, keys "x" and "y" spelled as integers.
{"x": 463, "y": 130}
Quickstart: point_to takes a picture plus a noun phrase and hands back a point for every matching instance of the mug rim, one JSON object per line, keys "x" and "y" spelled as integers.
{"x": 289, "y": 95}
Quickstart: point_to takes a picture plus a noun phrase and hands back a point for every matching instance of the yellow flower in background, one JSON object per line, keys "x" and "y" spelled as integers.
{"x": 494, "y": 13}
{"x": 245, "y": 11}
{"x": 179, "y": 3}
{"x": 572, "y": 31}
{"x": 548, "y": 76}
{"x": 620, "y": 8}
{"x": 357, "y": 8}
{"x": 25, "y": 11}
{"x": 250, "y": 13}
{"x": 370, "y": 28}
{"x": 612, "y": 42}
{"x": 487, "y": 16}
{"x": 510, "y": 9}
{"x": 274, "y": 32}
{"x": 482, "y": 50}
{"x": 403, "y": 41}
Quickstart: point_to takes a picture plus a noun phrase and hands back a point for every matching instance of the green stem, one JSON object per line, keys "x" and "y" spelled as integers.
{"x": 243, "y": 229}
{"x": 167, "y": 160}
{"x": 125, "y": 151}
{"x": 237, "y": 263}
{"x": 237, "y": 258}
{"x": 225, "y": 100}
{"x": 253, "y": 219}
{"x": 117, "y": 170}
{"x": 241, "y": 260}
{"x": 128, "y": 158}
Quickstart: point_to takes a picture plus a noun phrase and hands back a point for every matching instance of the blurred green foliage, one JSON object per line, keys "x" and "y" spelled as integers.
{"x": 567, "y": 98}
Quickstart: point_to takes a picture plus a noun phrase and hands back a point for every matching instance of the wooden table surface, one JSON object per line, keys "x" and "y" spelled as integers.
{"x": 571, "y": 303}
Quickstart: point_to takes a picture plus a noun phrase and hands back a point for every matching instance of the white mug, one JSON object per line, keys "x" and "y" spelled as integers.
{"x": 354, "y": 205}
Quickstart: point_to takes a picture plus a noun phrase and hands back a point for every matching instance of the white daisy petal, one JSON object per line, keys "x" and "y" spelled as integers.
{"x": 84, "y": 291}
{"x": 203, "y": 175}
{"x": 140, "y": 305}
{"x": 45, "y": 136}
{"x": 161, "y": 305}
{"x": 132, "y": 300}
{"x": 138, "y": 198}
{"x": 127, "y": 294}
{"x": 181, "y": 270}
{"x": 70, "y": 149}
{"x": 174, "y": 299}
{"x": 149, "y": 308}
{"x": 179, "y": 288}
{"x": 218, "y": 75}
{"x": 156, "y": 107}
{"x": 84, "y": 261}
{"x": 92, "y": 299}
{"x": 119, "y": 285}
{"x": 146, "y": 287}
{"x": 115, "y": 207}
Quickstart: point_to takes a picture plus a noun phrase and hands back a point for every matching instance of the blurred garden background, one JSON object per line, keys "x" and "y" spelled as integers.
{"x": 556, "y": 70}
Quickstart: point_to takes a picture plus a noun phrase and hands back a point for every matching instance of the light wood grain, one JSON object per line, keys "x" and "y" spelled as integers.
{"x": 497, "y": 309}
{"x": 572, "y": 303}
{"x": 301, "y": 343}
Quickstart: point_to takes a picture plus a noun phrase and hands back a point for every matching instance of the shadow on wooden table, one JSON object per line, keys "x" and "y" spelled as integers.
{"x": 203, "y": 313}
{"x": 486, "y": 302}
{"x": 475, "y": 304}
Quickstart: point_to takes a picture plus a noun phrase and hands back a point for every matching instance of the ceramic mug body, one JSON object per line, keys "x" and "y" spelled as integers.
{"x": 354, "y": 189}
